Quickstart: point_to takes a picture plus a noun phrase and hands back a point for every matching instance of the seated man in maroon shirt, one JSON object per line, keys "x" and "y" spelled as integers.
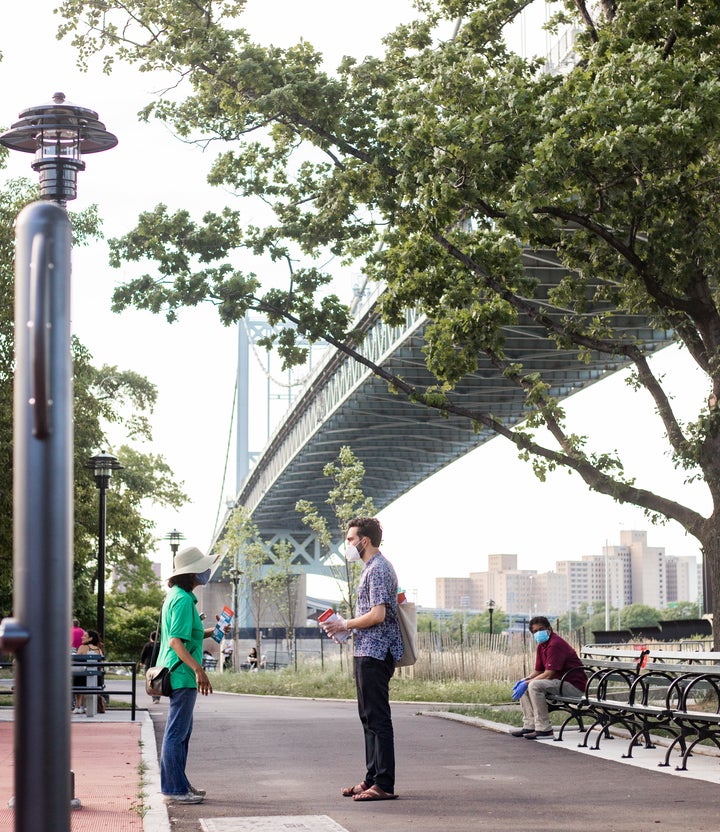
{"x": 553, "y": 658}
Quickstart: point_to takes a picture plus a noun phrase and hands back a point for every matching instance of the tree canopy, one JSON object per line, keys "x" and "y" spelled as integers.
{"x": 434, "y": 166}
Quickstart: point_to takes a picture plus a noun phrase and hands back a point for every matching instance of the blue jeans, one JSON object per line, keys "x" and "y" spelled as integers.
{"x": 176, "y": 740}
{"x": 372, "y": 680}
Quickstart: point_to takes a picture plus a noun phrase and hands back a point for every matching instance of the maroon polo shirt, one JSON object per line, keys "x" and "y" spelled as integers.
{"x": 556, "y": 654}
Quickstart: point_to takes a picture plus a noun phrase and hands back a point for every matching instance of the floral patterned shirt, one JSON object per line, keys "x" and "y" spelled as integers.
{"x": 378, "y": 585}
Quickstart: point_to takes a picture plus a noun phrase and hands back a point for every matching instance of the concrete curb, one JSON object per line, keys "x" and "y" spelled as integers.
{"x": 504, "y": 728}
{"x": 155, "y": 817}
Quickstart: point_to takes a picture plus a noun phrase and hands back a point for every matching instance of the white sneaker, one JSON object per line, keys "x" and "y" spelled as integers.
{"x": 189, "y": 797}
{"x": 201, "y": 792}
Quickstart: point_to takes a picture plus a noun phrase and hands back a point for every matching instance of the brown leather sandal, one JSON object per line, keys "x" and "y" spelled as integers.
{"x": 374, "y": 793}
{"x": 353, "y": 790}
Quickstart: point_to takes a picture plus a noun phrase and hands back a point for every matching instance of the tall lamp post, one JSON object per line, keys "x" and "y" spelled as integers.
{"x": 235, "y": 575}
{"x": 58, "y": 133}
{"x": 174, "y": 537}
{"x": 491, "y": 610}
{"x": 102, "y": 467}
{"x": 607, "y": 586}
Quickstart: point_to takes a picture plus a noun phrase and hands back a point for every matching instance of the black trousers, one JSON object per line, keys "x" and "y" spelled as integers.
{"x": 372, "y": 680}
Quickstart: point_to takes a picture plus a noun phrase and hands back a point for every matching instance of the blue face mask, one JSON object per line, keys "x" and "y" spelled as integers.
{"x": 541, "y": 636}
{"x": 203, "y": 577}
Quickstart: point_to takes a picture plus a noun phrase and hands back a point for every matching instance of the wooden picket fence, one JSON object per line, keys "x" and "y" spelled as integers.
{"x": 478, "y": 657}
{"x": 442, "y": 656}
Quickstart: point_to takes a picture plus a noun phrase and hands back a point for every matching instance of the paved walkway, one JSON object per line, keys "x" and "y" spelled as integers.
{"x": 274, "y": 764}
{"x": 278, "y": 764}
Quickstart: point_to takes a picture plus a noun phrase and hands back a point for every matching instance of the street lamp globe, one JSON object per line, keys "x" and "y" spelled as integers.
{"x": 58, "y": 133}
{"x": 174, "y": 537}
{"x": 102, "y": 465}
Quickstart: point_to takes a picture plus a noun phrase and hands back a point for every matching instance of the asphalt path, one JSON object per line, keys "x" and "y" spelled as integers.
{"x": 260, "y": 756}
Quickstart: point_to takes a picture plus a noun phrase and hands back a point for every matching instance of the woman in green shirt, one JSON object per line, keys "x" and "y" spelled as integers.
{"x": 182, "y": 637}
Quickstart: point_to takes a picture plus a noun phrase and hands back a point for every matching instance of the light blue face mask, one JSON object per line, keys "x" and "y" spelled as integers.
{"x": 541, "y": 636}
{"x": 203, "y": 577}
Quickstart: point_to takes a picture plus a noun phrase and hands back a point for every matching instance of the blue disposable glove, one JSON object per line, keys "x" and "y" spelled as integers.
{"x": 519, "y": 689}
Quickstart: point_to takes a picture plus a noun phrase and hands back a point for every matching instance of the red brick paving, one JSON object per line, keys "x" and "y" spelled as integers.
{"x": 105, "y": 758}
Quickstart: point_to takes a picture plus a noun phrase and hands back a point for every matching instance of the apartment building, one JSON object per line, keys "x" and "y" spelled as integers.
{"x": 625, "y": 573}
{"x": 683, "y": 579}
{"x": 455, "y": 594}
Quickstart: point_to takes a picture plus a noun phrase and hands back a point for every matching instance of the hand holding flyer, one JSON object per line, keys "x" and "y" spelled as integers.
{"x": 334, "y": 625}
{"x": 223, "y": 623}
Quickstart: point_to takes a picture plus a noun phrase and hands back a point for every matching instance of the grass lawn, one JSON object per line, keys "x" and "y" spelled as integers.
{"x": 336, "y": 684}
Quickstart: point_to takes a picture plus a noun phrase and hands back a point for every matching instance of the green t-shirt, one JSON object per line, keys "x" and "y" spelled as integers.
{"x": 180, "y": 619}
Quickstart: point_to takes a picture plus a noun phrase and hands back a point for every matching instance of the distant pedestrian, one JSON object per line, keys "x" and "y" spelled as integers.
{"x": 227, "y": 651}
{"x": 181, "y": 650}
{"x": 76, "y": 635}
{"x": 554, "y": 658}
{"x": 149, "y": 655}
{"x": 377, "y": 646}
{"x": 91, "y": 646}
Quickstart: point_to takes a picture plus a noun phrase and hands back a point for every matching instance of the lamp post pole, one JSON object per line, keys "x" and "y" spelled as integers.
{"x": 235, "y": 575}
{"x": 58, "y": 133}
{"x": 491, "y": 610}
{"x": 102, "y": 467}
{"x": 607, "y": 586}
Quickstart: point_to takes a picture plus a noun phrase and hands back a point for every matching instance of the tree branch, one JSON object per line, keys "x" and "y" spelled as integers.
{"x": 605, "y": 346}
{"x": 587, "y": 19}
{"x": 674, "y": 432}
{"x": 696, "y": 309}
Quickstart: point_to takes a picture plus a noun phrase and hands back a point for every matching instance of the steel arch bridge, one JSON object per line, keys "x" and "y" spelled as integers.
{"x": 400, "y": 443}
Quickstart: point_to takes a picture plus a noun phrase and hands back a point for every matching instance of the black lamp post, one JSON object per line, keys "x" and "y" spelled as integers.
{"x": 174, "y": 537}
{"x": 58, "y": 133}
{"x": 102, "y": 467}
{"x": 491, "y": 610}
{"x": 235, "y": 575}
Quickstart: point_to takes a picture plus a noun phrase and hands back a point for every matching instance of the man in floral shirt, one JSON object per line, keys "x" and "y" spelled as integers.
{"x": 377, "y": 646}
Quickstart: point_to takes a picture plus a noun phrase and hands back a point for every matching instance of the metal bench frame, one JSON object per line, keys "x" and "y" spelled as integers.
{"x": 646, "y": 691}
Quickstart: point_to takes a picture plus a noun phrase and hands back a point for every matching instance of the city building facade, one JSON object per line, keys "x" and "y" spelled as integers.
{"x": 631, "y": 572}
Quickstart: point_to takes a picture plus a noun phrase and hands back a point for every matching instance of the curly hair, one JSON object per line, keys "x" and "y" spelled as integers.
{"x": 367, "y": 527}
{"x": 539, "y": 621}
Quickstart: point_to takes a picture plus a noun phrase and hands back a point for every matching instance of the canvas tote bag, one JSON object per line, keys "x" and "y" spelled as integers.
{"x": 407, "y": 619}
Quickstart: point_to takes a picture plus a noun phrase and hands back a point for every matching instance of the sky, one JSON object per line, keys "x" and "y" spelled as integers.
{"x": 487, "y": 502}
